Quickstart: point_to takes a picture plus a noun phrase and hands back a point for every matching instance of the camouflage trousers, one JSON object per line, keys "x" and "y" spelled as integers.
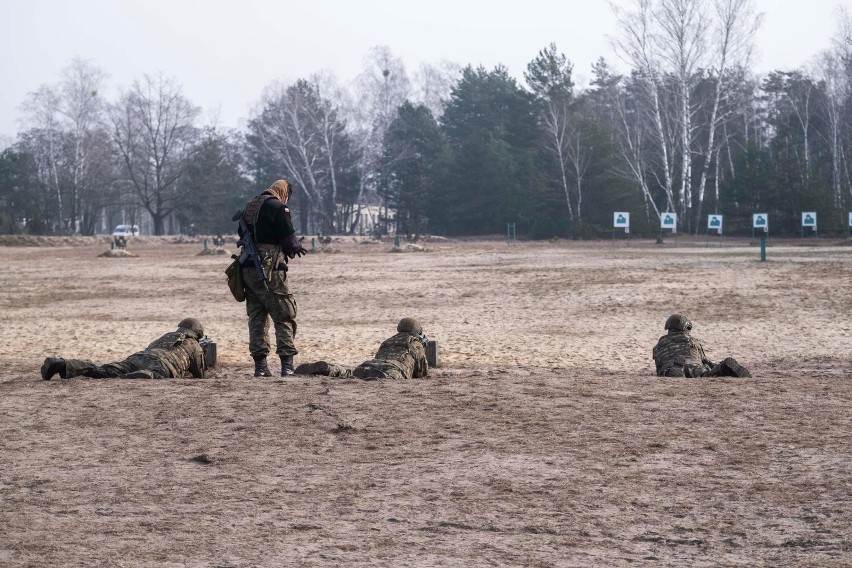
{"x": 276, "y": 304}
{"x": 379, "y": 369}
{"x": 368, "y": 370}
{"x": 695, "y": 371}
{"x": 137, "y": 366}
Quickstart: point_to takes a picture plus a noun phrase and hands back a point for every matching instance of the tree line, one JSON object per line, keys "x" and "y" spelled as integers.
{"x": 689, "y": 129}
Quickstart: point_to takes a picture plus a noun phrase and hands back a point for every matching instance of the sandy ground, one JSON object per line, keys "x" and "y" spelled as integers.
{"x": 544, "y": 439}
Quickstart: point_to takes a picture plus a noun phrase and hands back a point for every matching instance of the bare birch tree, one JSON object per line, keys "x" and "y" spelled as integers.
{"x": 153, "y": 128}
{"x": 380, "y": 90}
{"x": 833, "y": 71}
{"x": 732, "y": 43}
{"x": 45, "y": 144}
{"x": 681, "y": 41}
{"x": 69, "y": 120}
{"x": 549, "y": 77}
{"x": 301, "y": 132}
{"x": 637, "y": 44}
{"x": 434, "y": 83}
{"x": 792, "y": 95}
{"x": 579, "y": 151}
{"x": 632, "y": 133}
{"x": 668, "y": 43}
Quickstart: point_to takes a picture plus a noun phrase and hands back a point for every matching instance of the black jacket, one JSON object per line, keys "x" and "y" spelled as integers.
{"x": 275, "y": 227}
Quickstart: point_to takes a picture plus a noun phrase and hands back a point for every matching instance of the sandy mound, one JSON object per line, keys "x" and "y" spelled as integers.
{"x": 409, "y": 247}
{"x": 118, "y": 253}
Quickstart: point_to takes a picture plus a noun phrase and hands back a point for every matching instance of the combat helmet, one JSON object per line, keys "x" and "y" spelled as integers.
{"x": 409, "y": 325}
{"x": 678, "y": 322}
{"x": 194, "y": 325}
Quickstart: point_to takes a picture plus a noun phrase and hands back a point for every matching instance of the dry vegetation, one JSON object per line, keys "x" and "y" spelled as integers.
{"x": 544, "y": 439}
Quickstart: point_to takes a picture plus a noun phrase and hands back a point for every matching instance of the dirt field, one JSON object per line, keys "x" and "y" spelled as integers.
{"x": 544, "y": 439}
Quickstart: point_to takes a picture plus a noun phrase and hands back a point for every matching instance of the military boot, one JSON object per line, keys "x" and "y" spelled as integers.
{"x": 734, "y": 369}
{"x": 51, "y": 366}
{"x": 318, "y": 368}
{"x": 286, "y": 365}
{"x": 261, "y": 368}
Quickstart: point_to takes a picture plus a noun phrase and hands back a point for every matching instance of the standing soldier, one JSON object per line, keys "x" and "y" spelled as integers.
{"x": 267, "y": 220}
{"x": 677, "y": 354}
{"x": 172, "y": 355}
{"x": 402, "y": 356}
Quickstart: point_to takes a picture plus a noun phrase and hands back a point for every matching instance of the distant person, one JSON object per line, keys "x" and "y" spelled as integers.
{"x": 173, "y": 355}
{"x": 268, "y": 221}
{"x": 402, "y": 356}
{"x": 678, "y": 354}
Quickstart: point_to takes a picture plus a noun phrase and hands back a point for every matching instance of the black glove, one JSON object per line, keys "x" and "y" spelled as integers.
{"x": 300, "y": 252}
{"x": 293, "y": 247}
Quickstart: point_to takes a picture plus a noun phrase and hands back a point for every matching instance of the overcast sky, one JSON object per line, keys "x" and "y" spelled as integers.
{"x": 225, "y": 52}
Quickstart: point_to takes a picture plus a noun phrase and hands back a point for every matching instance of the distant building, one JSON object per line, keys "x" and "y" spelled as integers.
{"x": 369, "y": 220}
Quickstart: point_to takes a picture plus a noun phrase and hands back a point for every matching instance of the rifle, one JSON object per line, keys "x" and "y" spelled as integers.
{"x": 250, "y": 248}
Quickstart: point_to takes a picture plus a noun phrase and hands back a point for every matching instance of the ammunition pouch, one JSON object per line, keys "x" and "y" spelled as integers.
{"x": 235, "y": 280}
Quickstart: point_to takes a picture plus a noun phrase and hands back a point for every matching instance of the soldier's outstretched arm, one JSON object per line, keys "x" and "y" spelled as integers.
{"x": 196, "y": 362}
{"x": 421, "y": 366}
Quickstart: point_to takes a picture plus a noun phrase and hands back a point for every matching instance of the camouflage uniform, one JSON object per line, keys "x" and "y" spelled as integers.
{"x": 172, "y": 355}
{"x": 277, "y": 304}
{"x": 678, "y": 354}
{"x": 402, "y": 356}
{"x": 268, "y": 219}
